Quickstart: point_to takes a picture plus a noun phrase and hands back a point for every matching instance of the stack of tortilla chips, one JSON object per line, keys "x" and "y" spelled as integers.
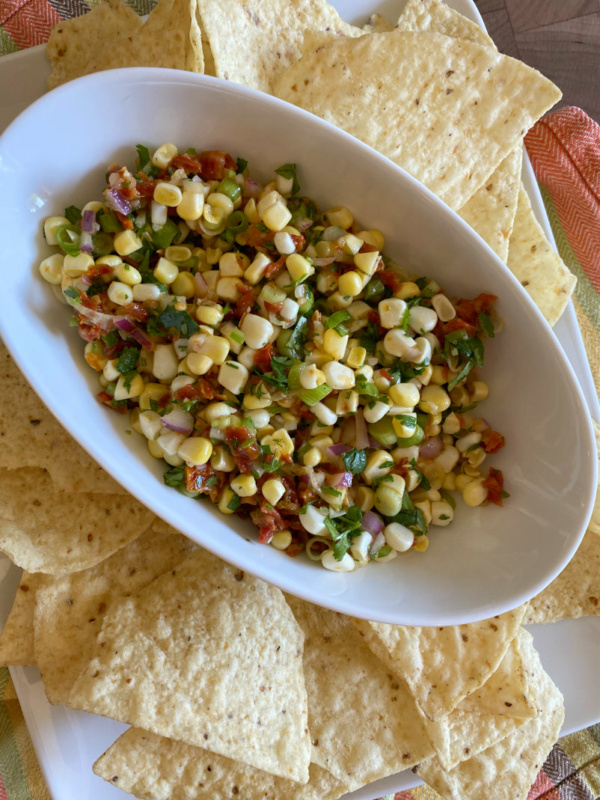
{"x": 230, "y": 687}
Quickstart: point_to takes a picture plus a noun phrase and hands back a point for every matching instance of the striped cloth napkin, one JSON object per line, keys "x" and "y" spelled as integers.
{"x": 564, "y": 148}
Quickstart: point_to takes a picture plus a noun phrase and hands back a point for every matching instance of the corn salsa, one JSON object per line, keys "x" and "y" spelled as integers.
{"x": 275, "y": 358}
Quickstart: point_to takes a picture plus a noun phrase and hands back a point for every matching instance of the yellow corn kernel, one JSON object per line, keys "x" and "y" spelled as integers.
{"x": 374, "y": 238}
{"x": 216, "y": 348}
{"x": 282, "y": 539}
{"x": 425, "y": 376}
{"x": 338, "y": 301}
{"x": 165, "y": 271}
{"x": 279, "y": 442}
{"x": 425, "y": 506}
{"x": 298, "y": 267}
{"x": 352, "y": 244}
{"x": 277, "y": 216}
{"x": 178, "y": 253}
{"x": 195, "y": 451}
{"x": 128, "y": 274}
{"x": 407, "y": 290}
{"x": 340, "y": 217}
{"x": 474, "y": 493}
{"x": 251, "y": 212}
{"x": 350, "y": 284}
{"x": 51, "y": 268}
{"x": 449, "y": 482}
{"x": 75, "y": 266}
{"x": 461, "y": 481}
{"x": 198, "y": 363}
{"x": 126, "y": 242}
{"x": 334, "y": 344}
{"x": 439, "y": 374}
{"x": 421, "y": 544}
{"x": 244, "y": 485}
{"x": 153, "y": 393}
{"x": 226, "y": 498}
{"x": 184, "y": 285}
{"x": 312, "y": 457}
{"x": 134, "y": 420}
{"x": 434, "y": 399}
{"x": 222, "y": 201}
{"x": 162, "y": 157}
{"x": 167, "y": 194}
{"x": 367, "y": 262}
{"x": 209, "y": 315}
{"x": 129, "y": 387}
{"x": 365, "y": 498}
{"x": 356, "y": 357}
{"x": 155, "y": 449}
{"x": 404, "y": 394}
{"x": 51, "y": 225}
{"x": 479, "y": 391}
{"x": 111, "y": 260}
{"x": 273, "y": 490}
{"x": 191, "y": 206}
{"x": 120, "y": 293}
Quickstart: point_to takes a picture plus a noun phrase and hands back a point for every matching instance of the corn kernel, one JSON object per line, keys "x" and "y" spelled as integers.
{"x": 312, "y": 457}
{"x": 195, "y": 451}
{"x": 365, "y": 498}
{"x": 479, "y": 391}
{"x": 51, "y": 268}
{"x": 162, "y": 157}
{"x": 126, "y": 242}
{"x": 407, "y": 291}
{"x": 277, "y": 216}
{"x": 244, "y": 485}
{"x": 367, "y": 262}
{"x": 352, "y": 244}
{"x": 273, "y": 490}
{"x": 51, "y": 225}
{"x": 129, "y": 387}
{"x": 165, "y": 271}
{"x": 198, "y": 363}
{"x": 75, "y": 266}
{"x": 257, "y": 268}
{"x": 209, "y": 315}
{"x": 421, "y": 544}
{"x": 227, "y": 289}
{"x": 128, "y": 274}
{"x": 474, "y": 493}
{"x": 356, "y": 357}
{"x": 226, "y": 498}
{"x": 153, "y": 393}
{"x": 184, "y": 285}
{"x": 350, "y": 284}
{"x": 340, "y": 217}
{"x": 191, "y": 206}
{"x": 120, "y": 293}
{"x": 154, "y": 449}
{"x": 251, "y": 212}
{"x": 434, "y": 399}
{"x": 372, "y": 237}
{"x": 167, "y": 194}
{"x": 404, "y": 394}
{"x": 462, "y": 481}
{"x": 298, "y": 267}
{"x": 282, "y": 539}
{"x": 334, "y": 345}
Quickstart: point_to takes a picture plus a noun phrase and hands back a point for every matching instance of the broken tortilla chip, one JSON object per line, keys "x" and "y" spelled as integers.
{"x": 16, "y": 641}
{"x": 436, "y": 17}
{"x": 70, "y": 609}
{"x": 209, "y": 656}
{"x": 536, "y": 264}
{"x": 443, "y": 665}
{"x": 43, "y": 530}
{"x": 423, "y": 100}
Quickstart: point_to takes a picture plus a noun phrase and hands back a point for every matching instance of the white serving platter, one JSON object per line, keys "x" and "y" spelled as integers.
{"x": 68, "y": 742}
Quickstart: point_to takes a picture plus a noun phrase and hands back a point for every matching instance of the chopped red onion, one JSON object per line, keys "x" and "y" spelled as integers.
{"x": 141, "y": 338}
{"x": 105, "y": 321}
{"x": 374, "y": 443}
{"x": 124, "y": 324}
{"x": 362, "y": 435}
{"x": 85, "y": 242}
{"x": 86, "y": 279}
{"x": 341, "y": 480}
{"x": 431, "y": 448}
{"x": 481, "y": 425}
{"x": 251, "y": 188}
{"x": 201, "y": 285}
{"x": 179, "y": 421}
{"x": 88, "y": 222}
{"x": 303, "y": 224}
{"x": 116, "y": 201}
{"x": 338, "y": 449}
{"x": 371, "y": 522}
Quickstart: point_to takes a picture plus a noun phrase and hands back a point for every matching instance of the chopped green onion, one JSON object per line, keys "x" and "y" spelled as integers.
{"x": 238, "y": 222}
{"x": 73, "y": 214}
{"x": 230, "y": 188}
{"x": 337, "y": 318}
{"x": 65, "y": 240}
{"x": 109, "y": 223}
{"x": 312, "y": 396}
{"x": 294, "y": 376}
{"x": 163, "y": 237}
{"x": 237, "y": 336}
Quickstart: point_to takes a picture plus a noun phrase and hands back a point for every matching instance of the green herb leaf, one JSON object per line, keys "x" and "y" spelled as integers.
{"x": 175, "y": 476}
{"x": 278, "y": 376}
{"x": 331, "y": 491}
{"x": 289, "y": 171}
{"x": 180, "y": 320}
{"x": 143, "y": 155}
{"x": 336, "y": 319}
{"x": 407, "y": 420}
{"x": 163, "y": 237}
{"x": 128, "y": 360}
{"x": 424, "y": 482}
{"x": 97, "y": 287}
{"x": 487, "y": 325}
{"x": 109, "y": 223}
{"x": 71, "y": 293}
{"x": 369, "y": 337}
{"x": 73, "y": 214}
{"x": 234, "y": 503}
{"x": 241, "y": 165}
{"x": 355, "y": 460}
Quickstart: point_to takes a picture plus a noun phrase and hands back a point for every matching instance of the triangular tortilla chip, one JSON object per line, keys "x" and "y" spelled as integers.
{"x": 423, "y": 100}
{"x": 16, "y": 641}
{"x": 363, "y": 722}
{"x": 43, "y": 530}
{"x": 209, "y": 656}
{"x": 153, "y": 767}
{"x": 443, "y": 665}
{"x": 510, "y": 766}
{"x": 70, "y": 610}
{"x": 575, "y": 592}
{"x": 476, "y": 724}
{"x": 436, "y": 17}
{"x": 31, "y": 437}
{"x": 253, "y": 42}
{"x": 377, "y": 24}
{"x": 537, "y": 265}
{"x": 491, "y": 211}
{"x": 169, "y": 38}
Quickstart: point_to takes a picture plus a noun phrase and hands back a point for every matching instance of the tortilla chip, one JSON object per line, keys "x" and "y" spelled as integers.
{"x": 510, "y": 766}
{"x": 472, "y": 728}
{"x": 423, "y": 100}
{"x": 255, "y": 41}
{"x": 594, "y": 524}
{"x": 31, "y": 437}
{"x": 377, "y": 24}
{"x": 491, "y": 211}
{"x": 150, "y": 766}
{"x": 443, "y": 665}
{"x": 535, "y": 263}
{"x": 16, "y": 642}
{"x": 436, "y": 17}
{"x": 209, "y": 656}
{"x": 576, "y": 591}
{"x": 363, "y": 722}
{"x": 70, "y": 610}
{"x": 43, "y": 530}
{"x": 169, "y": 38}
{"x": 75, "y": 44}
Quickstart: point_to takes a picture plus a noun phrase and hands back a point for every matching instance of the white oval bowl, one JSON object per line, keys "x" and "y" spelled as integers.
{"x": 490, "y": 559}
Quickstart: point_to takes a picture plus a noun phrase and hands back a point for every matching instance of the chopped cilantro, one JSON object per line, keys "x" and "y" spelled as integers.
{"x": 97, "y": 287}
{"x": 128, "y": 360}
{"x": 384, "y": 551}
{"x": 402, "y": 371}
{"x": 331, "y": 491}
{"x": 241, "y": 165}
{"x": 424, "y": 482}
{"x": 71, "y": 292}
{"x": 386, "y": 464}
{"x": 486, "y": 324}
{"x": 175, "y": 476}
{"x": 111, "y": 339}
{"x": 369, "y": 337}
{"x": 448, "y": 498}
{"x": 171, "y": 318}
{"x": 163, "y": 237}
{"x": 343, "y": 529}
{"x": 278, "y": 376}
{"x": 355, "y": 460}
{"x": 407, "y": 420}
{"x": 234, "y": 503}
{"x": 411, "y": 517}
{"x": 73, "y": 214}
{"x": 289, "y": 171}
{"x": 127, "y": 378}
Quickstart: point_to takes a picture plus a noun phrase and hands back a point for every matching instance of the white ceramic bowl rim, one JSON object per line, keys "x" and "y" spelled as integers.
{"x": 334, "y": 591}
